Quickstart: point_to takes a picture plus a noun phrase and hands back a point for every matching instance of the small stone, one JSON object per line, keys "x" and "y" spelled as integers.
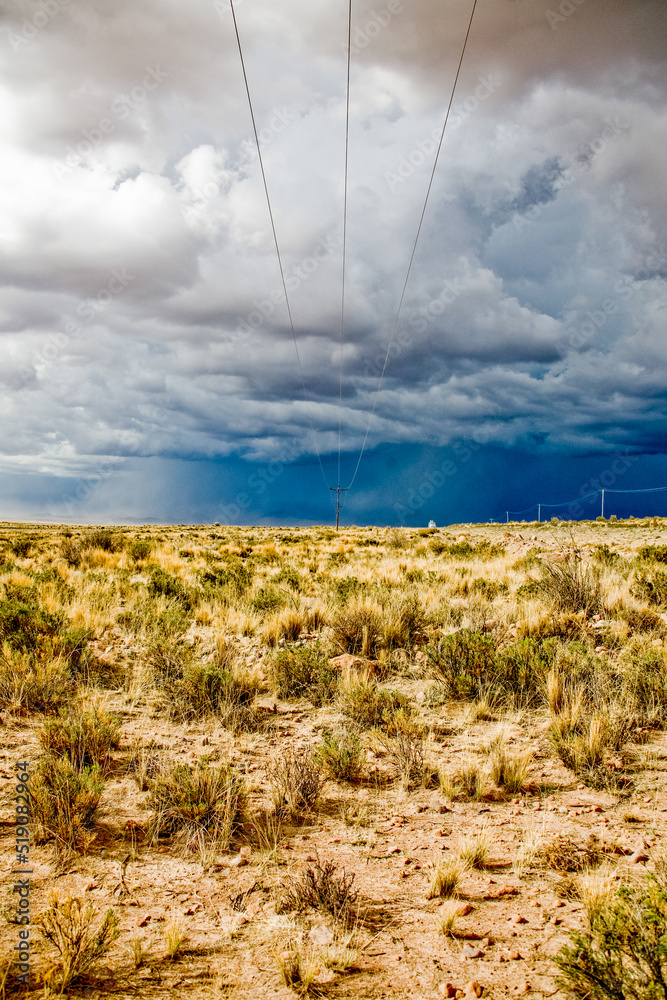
{"x": 516, "y": 956}
{"x": 638, "y": 857}
{"x": 238, "y": 862}
{"x": 598, "y": 809}
{"x": 522, "y": 987}
{"x": 470, "y": 951}
{"x": 517, "y": 918}
{"x": 143, "y": 919}
{"x": 464, "y": 909}
{"x": 447, "y": 990}
{"x": 473, "y": 989}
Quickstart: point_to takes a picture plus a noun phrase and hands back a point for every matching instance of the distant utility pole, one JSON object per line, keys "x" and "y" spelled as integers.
{"x": 603, "y": 503}
{"x": 539, "y": 513}
{"x": 508, "y": 516}
{"x": 338, "y": 490}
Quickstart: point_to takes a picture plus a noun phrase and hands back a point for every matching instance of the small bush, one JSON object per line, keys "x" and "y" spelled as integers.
{"x": 103, "y": 538}
{"x": 303, "y": 672}
{"x": 324, "y": 888}
{"x": 402, "y": 744}
{"x": 372, "y": 707}
{"x": 447, "y": 877}
{"x": 509, "y": 773}
{"x": 84, "y": 739}
{"x": 164, "y": 584}
{"x": 26, "y": 626}
{"x": 403, "y": 621}
{"x": 21, "y": 547}
{"x": 68, "y": 925}
{"x": 194, "y": 689}
{"x": 341, "y": 755}
{"x": 572, "y": 586}
{"x": 31, "y": 685}
{"x": 139, "y": 549}
{"x": 357, "y": 628}
{"x": 63, "y": 802}
{"x": 197, "y": 803}
{"x": 462, "y": 661}
{"x": 296, "y": 779}
{"x": 651, "y": 586}
{"x": 70, "y": 552}
{"x": 653, "y": 553}
{"x": 621, "y": 953}
{"x": 269, "y": 599}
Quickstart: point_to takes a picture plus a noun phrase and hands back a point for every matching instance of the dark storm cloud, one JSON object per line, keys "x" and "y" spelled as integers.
{"x": 141, "y": 304}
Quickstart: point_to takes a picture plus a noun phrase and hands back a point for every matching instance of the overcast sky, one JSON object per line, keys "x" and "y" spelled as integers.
{"x": 148, "y": 367}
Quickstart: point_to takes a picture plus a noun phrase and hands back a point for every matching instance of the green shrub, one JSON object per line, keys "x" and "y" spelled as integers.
{"x": 654, "y": 553}
{"x": 33, "y": 685}
{"x": 84, "y": 739}
{"x": 341, "y": 755}
{"x": 233, "y": 577}
{"x": 622, "y": 952}
{"x": 164, "y": 584}
{"x": 21, "y": 547}
{"x": 67, "y": 924}
{"x": 643, "y": 680}
{"x": 289, "y": 576}
{"x": 25, "y": 625}
{"x": 197, "y": 803}
{"x": 519, "y": 670}
{"x": 403, "y": 621}
{"x": 269, "y": 599}
{"x": 103, "y": 538}
{"x": 303, "y": 672}
{"x": 462, "y": 662}
{"x": 139, "y": 549}
{"x": 63, "y": 801}
{"x": 651, "y": 586}
{"x": 372, "y": 707}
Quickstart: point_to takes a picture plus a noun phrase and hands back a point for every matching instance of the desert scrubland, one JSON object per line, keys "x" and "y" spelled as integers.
{"x": 374, "y": 763}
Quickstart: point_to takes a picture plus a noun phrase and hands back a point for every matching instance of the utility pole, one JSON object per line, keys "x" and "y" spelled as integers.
{"x": 603, "y": 503}
{"x": 508, "y": 516}
{"x": 539, "y": 513}
{"x": 338, "y": 490}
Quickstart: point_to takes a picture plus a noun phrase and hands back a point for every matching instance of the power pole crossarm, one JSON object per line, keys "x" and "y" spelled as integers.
{"x": 338, "y": 490}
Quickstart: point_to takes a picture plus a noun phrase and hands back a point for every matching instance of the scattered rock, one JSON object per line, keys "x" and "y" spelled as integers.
{"x": 470, "y": 951}
{"x": 447, "y": 990}
{"x": 638, "y": 857}
{"x": 473, "y": 989}
{"x": 143, "y": 919}
{"x": 516, "y": 956}
{"x": 464, "y": 909}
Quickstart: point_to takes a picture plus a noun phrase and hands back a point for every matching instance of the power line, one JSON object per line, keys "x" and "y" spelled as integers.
{"x": 342, "y": 304}
{"x": 414, "y": 248}
{"x": 275, "y": 238}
